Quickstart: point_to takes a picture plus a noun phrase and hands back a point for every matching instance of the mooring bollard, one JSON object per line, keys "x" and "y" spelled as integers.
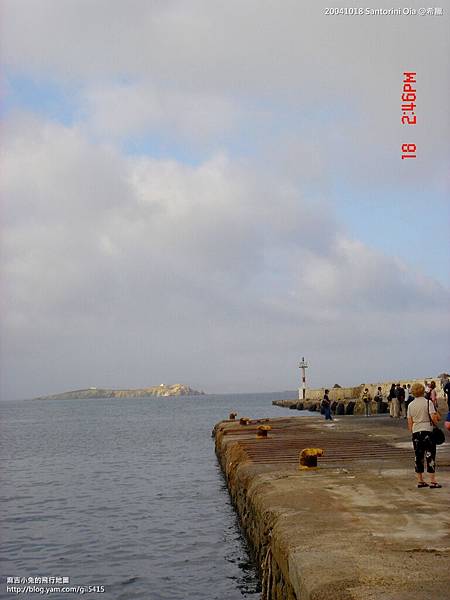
{"x": 308, "y": 457}
{"x": 232, "y": 416}
{"x": 244, "y": 420}
{"x": 263, "y": 430}
{"x": 340, "y": 409}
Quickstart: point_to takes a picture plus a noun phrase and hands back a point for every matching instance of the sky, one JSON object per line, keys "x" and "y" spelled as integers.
{"x": 203, "y": 192}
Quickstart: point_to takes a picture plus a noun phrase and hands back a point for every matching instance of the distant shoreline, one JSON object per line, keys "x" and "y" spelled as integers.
{"x": 94, "y": 393}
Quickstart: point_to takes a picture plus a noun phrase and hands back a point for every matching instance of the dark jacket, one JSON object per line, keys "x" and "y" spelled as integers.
{"x": 400, "y": 394}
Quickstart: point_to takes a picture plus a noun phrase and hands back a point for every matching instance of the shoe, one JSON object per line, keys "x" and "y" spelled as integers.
{"x": 422, "y": 484}
{"x": 435, "y": 484}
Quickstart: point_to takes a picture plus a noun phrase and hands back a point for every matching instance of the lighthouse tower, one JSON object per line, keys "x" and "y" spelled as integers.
{"x": 303, "y": 365}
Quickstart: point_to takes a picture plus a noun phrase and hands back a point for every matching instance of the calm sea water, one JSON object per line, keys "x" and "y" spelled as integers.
{"x": 125, "y": 494}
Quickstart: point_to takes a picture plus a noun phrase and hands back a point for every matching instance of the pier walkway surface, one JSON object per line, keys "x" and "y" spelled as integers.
{"x": 355, "y": 528}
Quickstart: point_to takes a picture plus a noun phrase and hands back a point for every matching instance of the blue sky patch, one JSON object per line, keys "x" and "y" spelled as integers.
{"x": 43, "y": 97}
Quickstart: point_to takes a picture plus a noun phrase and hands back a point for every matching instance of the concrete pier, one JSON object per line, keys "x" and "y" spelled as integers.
{"x": 356, "y": 527}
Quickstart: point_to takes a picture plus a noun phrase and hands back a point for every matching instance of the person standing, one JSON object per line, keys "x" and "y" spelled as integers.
{"x": 326, "y": 406}
{"x": 390, "y": 399}
{"x": 408, "y": 397}
{"x": 379, "y": 400}
{"x": 447, "y": 392}
{"x": 400, "y": 393}
{"x": 406, "y": 389}
{"x": 395, "y": 403}
{"x": 433, "y": 394}
{"x": 367, "y": 400}
{"x": 422, "y": 416}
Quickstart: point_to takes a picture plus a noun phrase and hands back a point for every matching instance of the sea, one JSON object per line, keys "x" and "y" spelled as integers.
{"x": 122, "y": 499}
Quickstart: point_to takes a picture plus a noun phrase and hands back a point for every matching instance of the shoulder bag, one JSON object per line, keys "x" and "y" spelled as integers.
{"x": 437, "y": 435}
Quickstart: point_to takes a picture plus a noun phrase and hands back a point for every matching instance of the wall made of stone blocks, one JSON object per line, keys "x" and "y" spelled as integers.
{"x": 354, "y": 393}
{"x": 257, "y": 523}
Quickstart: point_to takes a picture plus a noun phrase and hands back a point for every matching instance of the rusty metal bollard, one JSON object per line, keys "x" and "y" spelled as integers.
{"x": 263, "y": 430}
{"x": 308, "y": 457}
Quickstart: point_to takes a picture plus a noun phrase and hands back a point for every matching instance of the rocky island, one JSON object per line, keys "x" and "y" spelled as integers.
{"x": 176, "y": 389}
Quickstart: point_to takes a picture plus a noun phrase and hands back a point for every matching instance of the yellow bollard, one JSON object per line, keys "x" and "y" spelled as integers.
{"x": 308, "y": 457}
{"x": 263, "y": 430}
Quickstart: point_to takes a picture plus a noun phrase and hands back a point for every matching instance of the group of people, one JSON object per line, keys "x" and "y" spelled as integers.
{"x": 398, "y": 399}
{"x": 419, "y": 404}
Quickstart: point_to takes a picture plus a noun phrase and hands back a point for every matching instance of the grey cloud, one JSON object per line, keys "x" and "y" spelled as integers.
{"x": 163, "y": 268}
{"x": 127, "y": 271}
{"x": 202, "y": 68}
{"x": 236, "y": 46}
{"x": 120, "y": 111}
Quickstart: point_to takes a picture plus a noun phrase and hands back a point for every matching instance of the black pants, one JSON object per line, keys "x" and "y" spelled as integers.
{"x": 424, "y": 448}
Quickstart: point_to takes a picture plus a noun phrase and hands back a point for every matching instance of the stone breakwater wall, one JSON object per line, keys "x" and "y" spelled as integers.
{"x": 354, "y": 528}
{"x": 257, "y": 519}
{"x": 355, "y": 392}
{"x": 338, "y": 394}
{"x": 352, "y": 396}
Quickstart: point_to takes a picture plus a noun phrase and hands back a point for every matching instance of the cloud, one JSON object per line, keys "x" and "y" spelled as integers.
{"x": 238, "y": 47}
{"x": 222, "y": 262}
{"x": 363, "y": 280}
{"x": 127, "y": 271}
{"x": 248, "y": 76}
{"x": 124, "y": 110}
